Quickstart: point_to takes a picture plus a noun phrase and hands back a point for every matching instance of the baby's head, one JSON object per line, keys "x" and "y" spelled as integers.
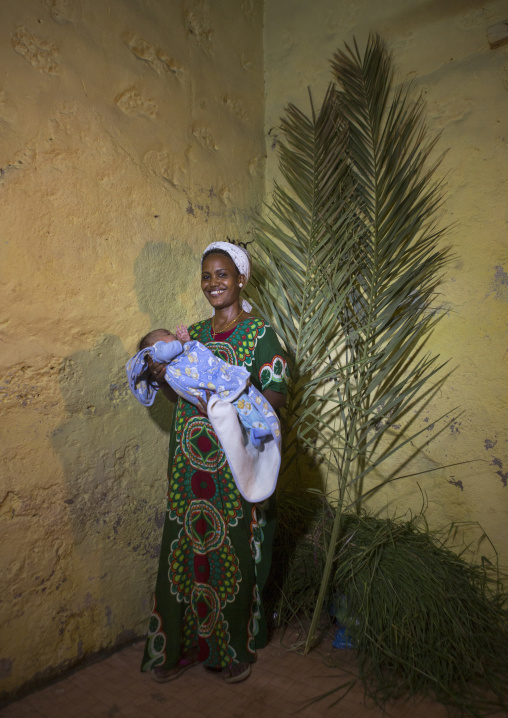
{"x": 156, "y": 335}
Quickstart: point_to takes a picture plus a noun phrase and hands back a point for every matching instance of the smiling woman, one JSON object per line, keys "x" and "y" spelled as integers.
{"x": 216, "y": 547}
{"x": 222, "y": 281}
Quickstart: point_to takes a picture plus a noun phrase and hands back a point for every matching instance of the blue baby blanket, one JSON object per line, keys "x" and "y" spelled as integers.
{"x": 252, "y": 446}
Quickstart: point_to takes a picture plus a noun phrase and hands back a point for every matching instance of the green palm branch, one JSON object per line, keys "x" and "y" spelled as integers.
{"x": 306, "y": 250}
{"x": 391, "y": 306}
{"x": 351, "y": 260}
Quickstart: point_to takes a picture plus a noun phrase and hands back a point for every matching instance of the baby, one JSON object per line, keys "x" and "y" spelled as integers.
{"x": 192, "y": 370}
{"x": 163, "y": 335}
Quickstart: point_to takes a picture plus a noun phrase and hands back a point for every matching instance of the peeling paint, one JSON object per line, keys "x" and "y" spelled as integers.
{"x": 117, "y": 524}
{"x": 502, "y": 474}
{"x": 499, "y": 286}
{"x": 159, "y": 518}
{"x": 457, "y": 483}
{"x": 500, "y": 277}
{"x": 454, "y": 427}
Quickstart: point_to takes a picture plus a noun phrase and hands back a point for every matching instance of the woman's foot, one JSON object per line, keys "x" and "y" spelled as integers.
{"x": 236, "y": 672}
{"x": 164, "y": 675}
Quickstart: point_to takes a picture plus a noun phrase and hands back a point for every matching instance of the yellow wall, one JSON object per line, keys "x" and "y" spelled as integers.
{"x": 131, "y": 135}
{"x": 443, "y": 45}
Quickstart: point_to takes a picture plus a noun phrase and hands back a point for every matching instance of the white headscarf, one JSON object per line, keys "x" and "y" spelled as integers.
{"x": 241, "y": 259}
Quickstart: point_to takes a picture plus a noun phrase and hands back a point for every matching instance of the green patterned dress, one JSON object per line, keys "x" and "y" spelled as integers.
{"x": 216, "y": 547}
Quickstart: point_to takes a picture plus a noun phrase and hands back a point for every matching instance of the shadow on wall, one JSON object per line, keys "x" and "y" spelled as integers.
{"x": 99, "y": 445}
{"x": 114, "y": 514}
{"x": 107, "y": 445}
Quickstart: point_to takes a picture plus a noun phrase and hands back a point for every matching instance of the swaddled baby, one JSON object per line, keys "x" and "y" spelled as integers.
{"x": 192, "y": 370}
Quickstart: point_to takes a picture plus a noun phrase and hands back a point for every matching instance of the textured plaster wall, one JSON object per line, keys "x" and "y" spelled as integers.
{"x": 131, "y": 135}
{"x": 443, "y": 45}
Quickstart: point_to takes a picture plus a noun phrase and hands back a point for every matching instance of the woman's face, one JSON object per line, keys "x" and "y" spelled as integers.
{"x": 220, "y": 280}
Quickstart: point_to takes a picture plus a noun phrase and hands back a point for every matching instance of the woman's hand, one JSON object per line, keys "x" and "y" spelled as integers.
{"x": 158, "y": 371}
{"x": 203, "y": 407}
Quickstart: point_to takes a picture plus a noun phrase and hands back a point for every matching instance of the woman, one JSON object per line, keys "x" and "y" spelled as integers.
{"x": 215, "y": 552}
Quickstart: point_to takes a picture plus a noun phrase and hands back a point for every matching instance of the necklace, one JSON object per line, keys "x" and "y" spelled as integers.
{"x": 227, "y": 325}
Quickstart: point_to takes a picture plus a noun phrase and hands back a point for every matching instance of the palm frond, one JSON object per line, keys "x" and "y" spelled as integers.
{"x": 305, "y": 247}
{"x": 388, "y": 311}
{"x": 348, "y": 264}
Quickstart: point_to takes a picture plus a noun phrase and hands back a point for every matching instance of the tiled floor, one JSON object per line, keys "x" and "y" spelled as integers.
{"x": 283, "y": 683}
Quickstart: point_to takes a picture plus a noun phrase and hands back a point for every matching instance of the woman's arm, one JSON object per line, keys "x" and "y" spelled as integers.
{"x": 276, "y": 399}
{"x": 168, "y": 392}
{"x": 158, "y": 370}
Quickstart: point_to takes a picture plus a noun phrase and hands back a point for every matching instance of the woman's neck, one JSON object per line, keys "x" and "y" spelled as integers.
{"x": 227, "y": 318}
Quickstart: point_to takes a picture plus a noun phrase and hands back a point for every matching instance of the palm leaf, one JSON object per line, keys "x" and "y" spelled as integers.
{"x": 305, "y": 251}
{"x": 348, "y": 264}
{"x": 390, "y": 305}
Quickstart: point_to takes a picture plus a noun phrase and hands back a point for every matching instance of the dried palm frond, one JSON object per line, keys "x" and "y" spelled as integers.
{"x": 423, "y": 620}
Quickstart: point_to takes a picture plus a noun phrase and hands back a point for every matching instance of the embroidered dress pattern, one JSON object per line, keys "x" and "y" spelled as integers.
{"x": 275, "y": 371}
{"x": 215, "y": 553}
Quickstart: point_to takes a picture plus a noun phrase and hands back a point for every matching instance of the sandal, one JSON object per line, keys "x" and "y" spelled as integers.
{"x": 164, "y": 675}
{"x": 229, "y": 677}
